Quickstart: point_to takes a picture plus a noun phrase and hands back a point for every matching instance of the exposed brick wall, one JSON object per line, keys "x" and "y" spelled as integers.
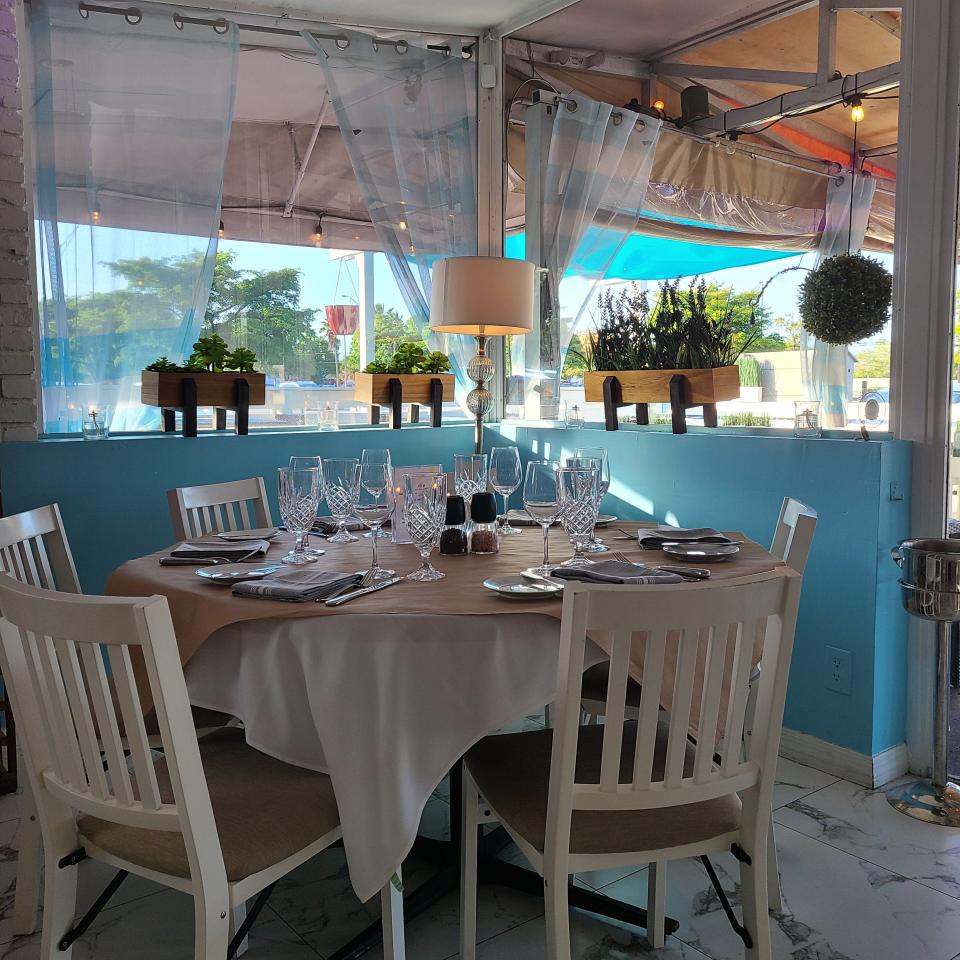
{"x": 18, "y": 339}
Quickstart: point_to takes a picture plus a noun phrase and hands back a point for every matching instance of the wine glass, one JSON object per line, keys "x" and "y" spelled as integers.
{"x": 375, "y": 506}
{"x": 299, "y": 494}
{"x": 424, "y": 512}
{"x": 579, "y": 499}
{"x": 382, "y": 457}
{"x": 341, "y": 487}
{"x": 469, "y": 475}
{"x": 505, "y": 476}
{"x": 541, "y": 499}
{"x": 596, "y": 545}
{"x": 309, "y": 463}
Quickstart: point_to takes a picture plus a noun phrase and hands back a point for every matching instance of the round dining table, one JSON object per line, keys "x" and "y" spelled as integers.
{"x": 384, "y": 693}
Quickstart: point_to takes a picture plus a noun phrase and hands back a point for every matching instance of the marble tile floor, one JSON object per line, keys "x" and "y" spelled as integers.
{"x": 860, "y": 882}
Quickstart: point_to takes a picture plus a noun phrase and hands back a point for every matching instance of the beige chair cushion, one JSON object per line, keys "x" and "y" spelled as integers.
{"x": 512, "y": 772}
{"x": 595, "y": 680}
{"x": 265, "y": 810}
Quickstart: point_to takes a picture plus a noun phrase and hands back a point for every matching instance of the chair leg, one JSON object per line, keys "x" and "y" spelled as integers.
{"x": 753, "y": 891}
{"x": 391, "y": 910}
{"x": 211, "y": 925}
{"x": 557, "y": 912}
{"x": 237, "y": 915}
{"x": 468, "y": 869}
{"x": 773, "y": 870}
{"x": 59, "y": 906}
{"x": 656, "y": 902}
{"x": 548, "y": 715}
{"x": 27, "y": 895}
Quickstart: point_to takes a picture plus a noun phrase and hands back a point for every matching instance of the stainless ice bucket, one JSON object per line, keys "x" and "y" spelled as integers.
{"x": 939, "y": 605}
{"x": 929, "y": 565}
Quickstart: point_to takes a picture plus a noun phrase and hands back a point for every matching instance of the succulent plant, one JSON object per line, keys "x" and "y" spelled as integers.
{"x": 241, "y": 359}
{"x": 162, "y": 365}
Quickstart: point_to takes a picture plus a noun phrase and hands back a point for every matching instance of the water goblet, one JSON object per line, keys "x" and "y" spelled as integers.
{"x": 424, "y": 512}
{"x": 382, "y": 458}
{"x": 341, "y": 487}
{"x": 375, "y": 506}
{"x": 299, "y": 495}
{"x": 596, "y": 545}
{"x": 469, "y": 475}
{"x": 309, "y": 463}
{"x": 579, "y": 497}
{"x": 541, "y": 499}
{"x": 505, "y": 477}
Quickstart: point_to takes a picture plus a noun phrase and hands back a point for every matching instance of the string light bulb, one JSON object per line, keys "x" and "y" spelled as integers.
{"x": 402, "y": 224}
{"x": 318, "y": 235}
{"x": 221, "y": 232}
{"x": 856, "y": 110}
{"x": 659, "y": 105}
{"x": 95, "y": 215}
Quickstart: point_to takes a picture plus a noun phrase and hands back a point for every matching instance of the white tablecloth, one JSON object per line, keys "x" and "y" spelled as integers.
{"x": 386, "y": 704}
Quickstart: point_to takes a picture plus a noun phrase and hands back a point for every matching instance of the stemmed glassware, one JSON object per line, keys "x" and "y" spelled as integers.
{"x": 596, "y": 545}
{"x": 375, "y": 506}
{"x": 579, "y": 499}
{"x": 341, "y": 487}
{"x": 309, "y": 463}
{"x": 299, "y": 494}
{"x": 424, "y": 512}
{"x": 469, "y": 475}
{"x": 505, "y": 477}
{"x": 541, "y": 499}
{"x": 373, "y": 457}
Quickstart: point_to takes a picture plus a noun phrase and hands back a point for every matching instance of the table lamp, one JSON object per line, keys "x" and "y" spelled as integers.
{"x": 486, "y": 297}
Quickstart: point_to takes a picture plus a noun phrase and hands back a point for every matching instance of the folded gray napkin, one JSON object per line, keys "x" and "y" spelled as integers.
{"x": 658, "y": 535}
{"x": 297, "y": 586}
{"x": 199, "y": 549}
{"x": 328, "y": 526}
{"x": 615, "y": 571}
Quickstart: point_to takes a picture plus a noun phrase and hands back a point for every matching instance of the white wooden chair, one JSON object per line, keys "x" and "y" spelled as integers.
{"x": 34, "y": 550}
{"x": 792, "y": 538}
{"x": 579, "y": 798}
{"x": 213, "y": 818}
{"x": 219, "y": 508}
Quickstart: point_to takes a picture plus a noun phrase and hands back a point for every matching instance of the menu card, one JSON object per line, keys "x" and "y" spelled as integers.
{"x": 423, "y": 475}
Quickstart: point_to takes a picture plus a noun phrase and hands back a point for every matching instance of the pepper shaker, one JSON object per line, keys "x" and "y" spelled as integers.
{"x": 484, "y": 537}
{"x": 453, "y": 539}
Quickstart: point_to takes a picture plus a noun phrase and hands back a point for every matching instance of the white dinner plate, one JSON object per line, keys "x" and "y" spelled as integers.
{"x": 238, "y": 536}
{"x": 227, "y": 574}
{"x": 520, "y": 588}
{"x": 523, "y": 519}
{"x": 701, "y": 552}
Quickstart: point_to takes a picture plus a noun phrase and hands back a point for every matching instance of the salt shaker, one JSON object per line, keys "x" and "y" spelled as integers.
{"x": 484, "y": 537}
{"x": 453, "y": 539}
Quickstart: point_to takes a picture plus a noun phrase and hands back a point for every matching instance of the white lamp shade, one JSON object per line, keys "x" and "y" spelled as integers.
{"x": 486, "y": 296}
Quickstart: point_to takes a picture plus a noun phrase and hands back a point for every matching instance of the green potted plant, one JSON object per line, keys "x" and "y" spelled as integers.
{"x": 410, "y": 375}
{"x": 676, "y": 351}
{"x": 215, "y": 371}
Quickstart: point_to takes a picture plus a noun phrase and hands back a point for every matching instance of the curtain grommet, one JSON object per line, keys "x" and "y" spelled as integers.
{"x": 220, "y": 26}
{"x": 401, "y": 47}
{"x": 342, "y": 42}
{"x": 83, "y": 10}
{"x": 177, "y": 20}
{"x": 133, "y": 16}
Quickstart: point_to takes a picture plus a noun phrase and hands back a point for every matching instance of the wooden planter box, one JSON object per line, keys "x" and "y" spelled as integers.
{"x": 188, "y": 389}
{"x": 395, "y": 389}
{"x": 680, "y": 388}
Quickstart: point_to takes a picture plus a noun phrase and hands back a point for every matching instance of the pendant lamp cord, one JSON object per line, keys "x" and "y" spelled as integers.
{"x": 853, "y": 180}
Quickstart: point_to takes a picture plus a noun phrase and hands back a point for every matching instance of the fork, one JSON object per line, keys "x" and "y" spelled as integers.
{"x": 365, "y": 581}
{"x": 688, "y": 573}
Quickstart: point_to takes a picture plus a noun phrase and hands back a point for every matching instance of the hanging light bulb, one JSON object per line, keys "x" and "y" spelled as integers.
{"x": 856, "y": 109}
{"x": 318, "y": 235}
{"x": 412, "y": 248}
{"x": 659, "y": 105}
{"x": 402, "y": 224}
{"x": 221, "y": 232}
{"x": 95, "y": 215}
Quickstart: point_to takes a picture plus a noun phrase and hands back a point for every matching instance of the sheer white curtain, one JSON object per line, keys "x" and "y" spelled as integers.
{"x": 594, "y": 183}
{"x": 132, "y": 117}
{"x": 845, "y": 224}
{"x": 407, "y": 115}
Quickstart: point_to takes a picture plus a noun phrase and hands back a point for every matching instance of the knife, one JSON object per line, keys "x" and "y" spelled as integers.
{"x": 336, "y": 601}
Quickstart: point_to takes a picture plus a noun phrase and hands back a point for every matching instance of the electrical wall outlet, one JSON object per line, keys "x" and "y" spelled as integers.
{"x": 839, "y": 670}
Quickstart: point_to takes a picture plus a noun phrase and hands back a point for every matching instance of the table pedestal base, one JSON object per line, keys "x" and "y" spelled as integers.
{"x": 924, "y": 801}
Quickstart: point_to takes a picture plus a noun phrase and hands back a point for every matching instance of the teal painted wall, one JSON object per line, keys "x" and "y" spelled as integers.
{"x": 113, "y": 497}
{"x": 850, "y": 595}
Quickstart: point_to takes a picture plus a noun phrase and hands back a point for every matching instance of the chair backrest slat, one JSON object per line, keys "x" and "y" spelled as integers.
{"x": 655, "y": 651}
{"x": 793, "y": 533}
{"x": 50, "y": 654}
{"x": 219, "y": 508}
{"x": 712, "y": 626}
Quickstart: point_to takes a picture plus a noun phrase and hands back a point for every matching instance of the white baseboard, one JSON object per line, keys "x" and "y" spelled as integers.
{"x": 860, "y": 768}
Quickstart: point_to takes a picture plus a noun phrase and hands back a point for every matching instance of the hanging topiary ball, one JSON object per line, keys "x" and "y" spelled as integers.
{"x": 846, "y": 298}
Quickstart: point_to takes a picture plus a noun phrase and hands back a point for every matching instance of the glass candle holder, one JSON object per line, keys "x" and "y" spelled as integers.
{"x": 806, "y": 419}
{"x": 95, "y": 424}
